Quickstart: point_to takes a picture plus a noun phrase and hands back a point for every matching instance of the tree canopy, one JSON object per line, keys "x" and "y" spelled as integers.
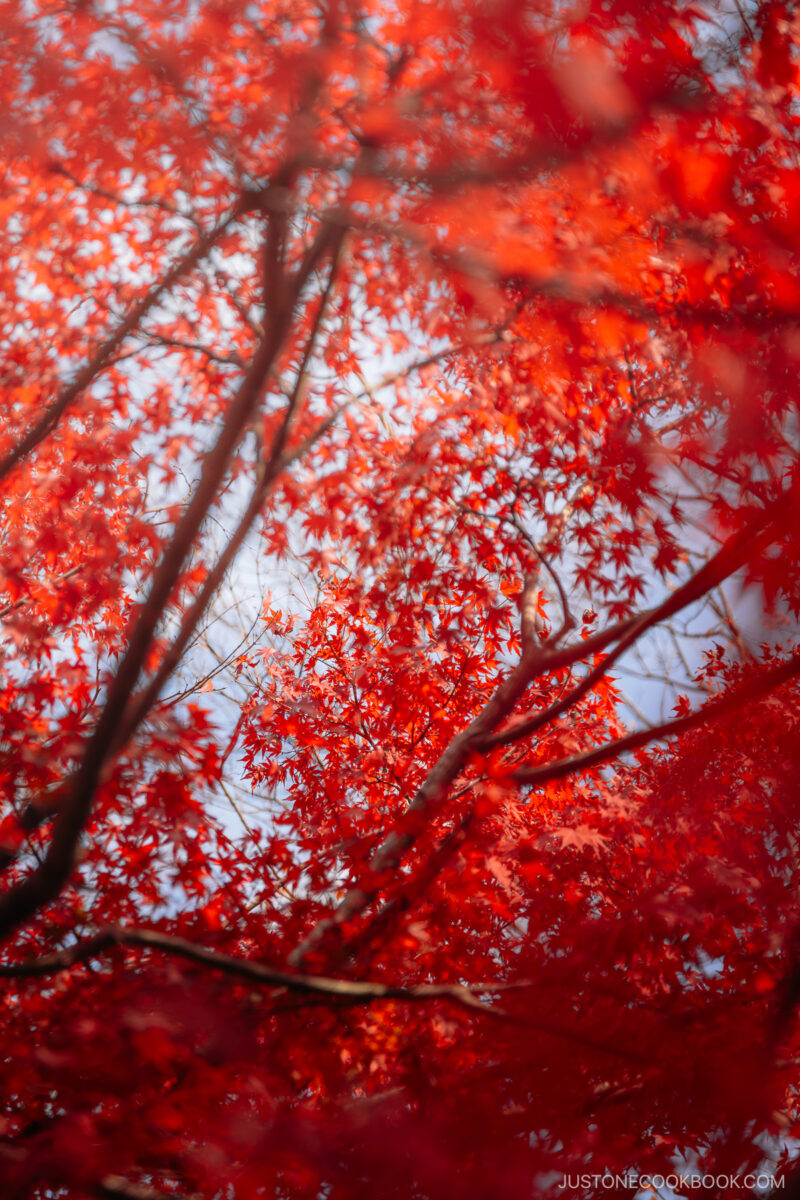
{"x": 399, "y": 582}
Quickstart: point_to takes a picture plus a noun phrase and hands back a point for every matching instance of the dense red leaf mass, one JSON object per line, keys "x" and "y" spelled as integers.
{"x": 399, "y": 583}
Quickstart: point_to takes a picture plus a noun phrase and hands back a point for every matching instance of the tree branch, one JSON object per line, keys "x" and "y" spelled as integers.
{"x": 352, "y": 991}
{"x": 103, "y": 354}
{"x": 23, "y": 600}
{"x": 343, "y": 991}
{"x": 428, "y": 797}
{"x": 115, "y": 1187}
{"x": 730, "y": 558}
{"x": 755, "y": 688}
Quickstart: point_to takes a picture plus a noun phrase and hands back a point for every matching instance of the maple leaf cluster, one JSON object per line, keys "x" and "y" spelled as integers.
{"x": 399, "y": 584}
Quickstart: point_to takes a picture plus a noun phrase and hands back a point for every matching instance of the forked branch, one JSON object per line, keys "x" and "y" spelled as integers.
{"x": 536, "y": 660}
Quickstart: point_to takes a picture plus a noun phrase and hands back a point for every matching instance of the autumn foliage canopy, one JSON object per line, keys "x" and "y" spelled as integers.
{"x": 399, "y": 573}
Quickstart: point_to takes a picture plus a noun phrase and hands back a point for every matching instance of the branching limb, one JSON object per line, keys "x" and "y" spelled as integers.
{"x": 761, "y": 685}
{"x": 346, "y": 990}
{"x": 734, "y": 553}
{"x": 324, "y": 988}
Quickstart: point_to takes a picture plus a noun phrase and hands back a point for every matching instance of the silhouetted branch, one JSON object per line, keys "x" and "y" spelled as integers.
{"x": 753, "y": 690}
{"x": 343, "y": 991}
